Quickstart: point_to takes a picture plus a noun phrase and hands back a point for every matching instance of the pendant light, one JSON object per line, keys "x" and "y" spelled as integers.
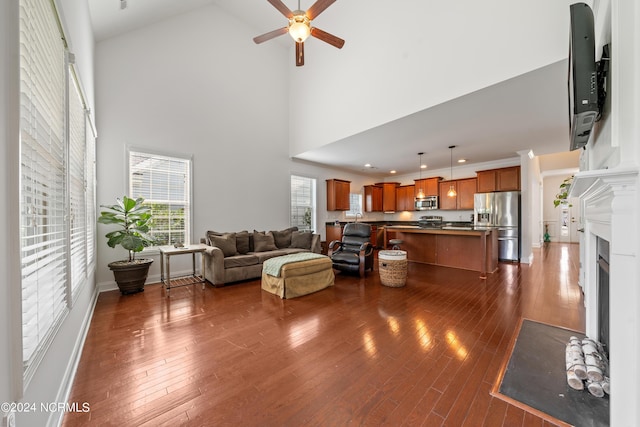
{"x": 420, "y": 194}
{"x": 452, "y": 191}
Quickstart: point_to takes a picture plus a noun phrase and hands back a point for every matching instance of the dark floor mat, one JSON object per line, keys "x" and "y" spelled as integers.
{"x": 535, "y": 376}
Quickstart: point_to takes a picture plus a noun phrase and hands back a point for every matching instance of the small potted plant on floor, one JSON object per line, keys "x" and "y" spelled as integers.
{"x": 133, "y": 220}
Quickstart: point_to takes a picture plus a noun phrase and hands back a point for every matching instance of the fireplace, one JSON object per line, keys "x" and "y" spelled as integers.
{"x": 602, "y": 251}
{"x": 609, "y": 276}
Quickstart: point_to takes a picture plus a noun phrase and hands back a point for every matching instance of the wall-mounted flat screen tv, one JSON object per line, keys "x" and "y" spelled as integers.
{"x": 583, "y": 78}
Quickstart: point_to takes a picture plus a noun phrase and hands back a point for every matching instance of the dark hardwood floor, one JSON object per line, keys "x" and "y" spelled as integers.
{"x": 356, "y": 353}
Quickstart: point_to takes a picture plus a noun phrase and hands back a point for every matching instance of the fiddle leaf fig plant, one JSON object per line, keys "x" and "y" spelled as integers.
{"x": 562, "y": 196}
{"x": 134, "y": 221}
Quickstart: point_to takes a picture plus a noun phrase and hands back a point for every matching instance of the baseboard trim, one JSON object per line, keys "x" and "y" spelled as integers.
{"x": 72, "y": 367}
{"x": 111, "y": 285}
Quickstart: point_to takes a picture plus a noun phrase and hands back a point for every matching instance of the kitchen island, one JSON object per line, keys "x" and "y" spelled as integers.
{"x": 459, "y": 247}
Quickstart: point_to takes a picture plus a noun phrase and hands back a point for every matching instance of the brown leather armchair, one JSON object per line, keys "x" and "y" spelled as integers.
{"x": 355, "y": 252}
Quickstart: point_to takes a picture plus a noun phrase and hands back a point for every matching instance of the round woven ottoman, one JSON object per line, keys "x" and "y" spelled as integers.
{"x": 392, "y": 266}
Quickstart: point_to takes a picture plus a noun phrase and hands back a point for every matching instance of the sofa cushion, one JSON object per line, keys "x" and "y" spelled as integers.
{"x": 263, "y": 242}
{"x": 301, "y": 239}
{"x": 263, "y": 256}
{"x": 242, "y": 242}
{"x": 213, "y": 233}
{"x": 226, "y": 242}
{"x": 282, "y": 238}
{"x": 240, "y": 261}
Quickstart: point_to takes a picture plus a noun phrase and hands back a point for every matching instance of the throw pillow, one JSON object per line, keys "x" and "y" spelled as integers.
{"x": 213, "y": 233}
{"x": 226, "y": 242}
{"x": 263, "y": 242}
{"x": 283, "y": 237}
{"x": 301, "y": 239}
{"x": 242, "y": 241}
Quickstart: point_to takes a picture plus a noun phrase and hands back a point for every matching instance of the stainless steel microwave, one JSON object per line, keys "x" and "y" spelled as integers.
{"x": 428, "y": 203}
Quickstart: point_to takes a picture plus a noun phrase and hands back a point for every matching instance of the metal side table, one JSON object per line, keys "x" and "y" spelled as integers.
{"x": 166, "y": 252}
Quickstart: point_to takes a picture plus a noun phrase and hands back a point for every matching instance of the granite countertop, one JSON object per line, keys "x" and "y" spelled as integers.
{"x": 446, "y": 225}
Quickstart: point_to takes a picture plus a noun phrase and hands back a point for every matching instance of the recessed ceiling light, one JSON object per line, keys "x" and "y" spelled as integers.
{"x": 392, "y": 171}
{"x": 462, "y": 160}
{"x": 423, "y": 166}
{"x": 368, "y": 165}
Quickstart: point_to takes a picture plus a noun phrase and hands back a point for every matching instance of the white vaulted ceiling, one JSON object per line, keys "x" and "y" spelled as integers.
{"x": 502, "y": 101}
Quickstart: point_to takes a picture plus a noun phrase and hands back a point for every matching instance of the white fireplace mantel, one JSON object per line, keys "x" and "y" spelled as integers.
{"x": 610, "y": 210}
{"x": 589, "y": 183}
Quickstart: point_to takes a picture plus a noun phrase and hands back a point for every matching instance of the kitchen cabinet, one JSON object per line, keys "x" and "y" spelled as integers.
{"x": 333, "y": 232}
{"x": 429, "y": 186}
{"x": 502, "y": 179}
{"x": 338, "y": 194}
{"x": 508, "y": 179}
{"x": 376, "y": 236}
{"x": 405, "y": 198}
{"x": 475, "y": 250}
{"x": 486, "y": 181}
{"x": 372, "y": 198}
{"x": 445, "y": 202}
{"x": 465, "y": 189}
{"x": 388, "y": 195}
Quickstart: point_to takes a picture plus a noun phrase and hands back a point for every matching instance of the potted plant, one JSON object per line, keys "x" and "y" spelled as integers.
{"x": 133, "y": 221}
{"x": 561, "y": 197}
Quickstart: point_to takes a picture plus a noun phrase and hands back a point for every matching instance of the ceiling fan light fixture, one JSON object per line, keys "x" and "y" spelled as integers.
{"x": 299, "y": 27}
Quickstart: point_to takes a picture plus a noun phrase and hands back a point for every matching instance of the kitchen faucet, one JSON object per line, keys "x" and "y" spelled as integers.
{"x": 358, "y": 213}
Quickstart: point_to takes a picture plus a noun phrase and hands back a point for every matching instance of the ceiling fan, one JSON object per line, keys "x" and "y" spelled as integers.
{"x": 300, "y": 28}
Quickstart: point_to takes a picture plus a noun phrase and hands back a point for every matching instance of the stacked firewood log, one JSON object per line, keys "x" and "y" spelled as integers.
{"x": 587, "y": 366}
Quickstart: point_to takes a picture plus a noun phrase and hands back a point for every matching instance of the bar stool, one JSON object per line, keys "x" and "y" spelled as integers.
{"x": 395, "y": 244}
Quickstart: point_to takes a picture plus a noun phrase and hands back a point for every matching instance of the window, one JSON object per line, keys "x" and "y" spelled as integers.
{"x": 355, "y": 204}
{"x": 90, "y": 179}
{"x": 165, "y": 184}
{"x": 303, "y": 202}
{"x": 77, "y": 185}
{"x": 54, "y": 181}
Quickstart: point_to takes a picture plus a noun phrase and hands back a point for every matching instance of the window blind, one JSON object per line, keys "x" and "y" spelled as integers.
{"x": 91, "y": 189}
{"x": 303, "y": 202}
{"x": 43, "y": 231}
{"x": 77, "y": 184}
{"x": 355, "y": 204}
{"x": 165, "y": 184}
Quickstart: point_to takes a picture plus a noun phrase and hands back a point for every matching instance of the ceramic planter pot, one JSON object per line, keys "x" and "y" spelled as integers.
{"x": 131, "y": 275}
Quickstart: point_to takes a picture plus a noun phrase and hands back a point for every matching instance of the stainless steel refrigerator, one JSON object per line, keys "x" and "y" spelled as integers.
{"x": 500, "y": 210}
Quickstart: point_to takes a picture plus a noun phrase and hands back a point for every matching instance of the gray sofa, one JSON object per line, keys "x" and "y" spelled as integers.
{"x": 235, "y": 256}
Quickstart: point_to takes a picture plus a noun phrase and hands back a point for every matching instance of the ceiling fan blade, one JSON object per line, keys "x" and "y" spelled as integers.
{"x": 270, "y": 35}
{"x": 327, "y": 38}
{"x": 318, "y": 7}
{"x": 299, "y": 54}
{"x": 282, "y": 8}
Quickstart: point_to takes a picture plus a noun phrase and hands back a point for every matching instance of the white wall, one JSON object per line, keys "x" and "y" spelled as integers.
{"x": 187, "y": 86}
{"x": 49, "y": 381}
{"x": 393, "y": 66}
{"x": 615, "y": 149}
{"x": 8, "y": 180}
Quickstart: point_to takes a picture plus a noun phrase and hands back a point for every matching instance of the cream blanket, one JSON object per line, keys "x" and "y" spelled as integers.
{"x": 273, "y": 266}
